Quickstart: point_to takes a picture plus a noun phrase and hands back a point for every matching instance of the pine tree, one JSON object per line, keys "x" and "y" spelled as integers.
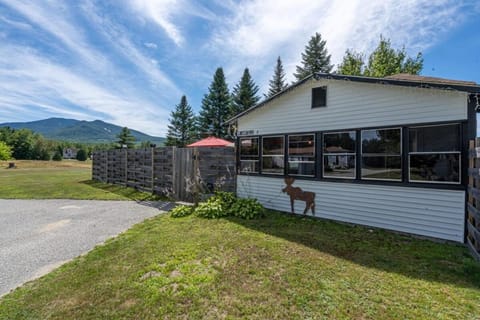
{"x": 314, "y": 59}
{"x": 385, "y": 61}
{"x": 125, "y": 138}
{"x": 181, "y": 130}
{"x": 277, "y": 83}
{"x": 244, "y": 94}
{"x": 215, "y": 107}
{"x": 352, "y": 64}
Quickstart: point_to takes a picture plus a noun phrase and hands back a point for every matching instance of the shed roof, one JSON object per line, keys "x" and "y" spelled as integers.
{"x": 401, "y": 79}
{"x": 211, "y": 142}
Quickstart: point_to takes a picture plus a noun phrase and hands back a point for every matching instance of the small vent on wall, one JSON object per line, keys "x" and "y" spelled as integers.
{"x": 319, "y": 97}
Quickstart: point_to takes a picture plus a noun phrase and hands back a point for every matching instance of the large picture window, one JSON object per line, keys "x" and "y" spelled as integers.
{"x": 249, "y": 155}
{"x": 434, "y": 154}
{"x": 273, "y": 150}
{"x": 381, "y": 154}
{"x": 339, "y": 157}
{"x": 301, "y": 155}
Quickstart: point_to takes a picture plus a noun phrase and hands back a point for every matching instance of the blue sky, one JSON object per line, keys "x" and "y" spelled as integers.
{"x": 129, "y": 61}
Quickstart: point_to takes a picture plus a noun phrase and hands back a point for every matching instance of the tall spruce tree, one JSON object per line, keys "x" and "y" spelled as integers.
{"x": 385, "y": 61}
{"x": 314, "y": 59}
{"x": 125, "y": 138}
{"x": 352, "y": 64}
{"x": 215, "y": 107}
{"x": 277, "y": 83}
{"x": 181, "y": 130}
{"x": 244, "y": 94}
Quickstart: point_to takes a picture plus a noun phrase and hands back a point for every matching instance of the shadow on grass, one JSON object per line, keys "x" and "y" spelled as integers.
{"x": 125, "y": 192}
{"x": 375, "y": 248}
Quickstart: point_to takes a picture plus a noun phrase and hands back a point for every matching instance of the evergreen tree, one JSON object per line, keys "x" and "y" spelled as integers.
{"x": 314, "y": 59}
{"x": 82, "y": 155}
{"x": 125, "y": 138}
{"x": 277, "y": 83}
{"x": 181, "y": 130}
{"x": 244, "y": 94}
{"x": 352, "y": 64}
{"x": 215, "y": 107}
{"x": 385, "y": 61}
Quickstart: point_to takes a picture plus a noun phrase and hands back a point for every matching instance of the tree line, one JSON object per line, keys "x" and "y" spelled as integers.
{"x": 219, "y": 104}
{"x": 24, "y": 144}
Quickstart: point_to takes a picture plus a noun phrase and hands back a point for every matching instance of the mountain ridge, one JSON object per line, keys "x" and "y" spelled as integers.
{"x": 83, "y": 131}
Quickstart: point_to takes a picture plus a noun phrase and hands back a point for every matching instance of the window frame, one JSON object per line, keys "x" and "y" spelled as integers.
{"x": 312, "y": 106}
{"x": 240, "y": 155}
{"x": 459, "y": 152}
{"x": 314, "y": 156}
{"x": 274, "y": 155}
{"x": 400, "y": 155}
{"x": 337, "y": 154}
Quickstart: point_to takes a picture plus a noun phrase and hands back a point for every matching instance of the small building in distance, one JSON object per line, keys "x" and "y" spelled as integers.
{"x": 69, "y": 153}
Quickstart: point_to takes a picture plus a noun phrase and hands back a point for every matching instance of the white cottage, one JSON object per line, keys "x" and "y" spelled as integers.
{"x": 383, "y": 152}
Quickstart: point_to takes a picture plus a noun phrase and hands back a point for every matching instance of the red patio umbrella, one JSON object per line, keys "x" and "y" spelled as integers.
{"x": 211, "y": 142}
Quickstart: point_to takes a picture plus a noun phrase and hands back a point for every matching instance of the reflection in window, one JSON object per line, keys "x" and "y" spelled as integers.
{"x": 301, "y": 155}
{"x": 381, "y": 154}
{"x": 339, "y": 154}
{"x": 249, "y": 155}
{"x": 434, "y": 154}
{"x": 273, "y": 149}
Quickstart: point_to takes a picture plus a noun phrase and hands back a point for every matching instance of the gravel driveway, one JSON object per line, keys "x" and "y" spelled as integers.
{"x": 37, "y": 236}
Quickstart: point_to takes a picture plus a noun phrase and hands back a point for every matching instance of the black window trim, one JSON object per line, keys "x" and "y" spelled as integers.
{"x": 336, "y": 154}
{"x": 326, "y": 97}
{"x": 459, "y": 152}
{"x": 464, "y": 123}
{"x": 240, "y": 153}
{"x": 314, "y": 156}
{"x": 390, "y": 155}
{"x": 283, "y": 155}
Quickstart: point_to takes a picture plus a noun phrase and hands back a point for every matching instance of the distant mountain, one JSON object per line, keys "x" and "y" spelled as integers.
{"x": 96, "y": 131}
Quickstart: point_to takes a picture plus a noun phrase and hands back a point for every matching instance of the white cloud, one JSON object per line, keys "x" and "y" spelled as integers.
{"x": 260, "y": 30}
{"x": 28, "y": 80}
{"x": 150, "y": 45}
{"x": 164, "y": 12}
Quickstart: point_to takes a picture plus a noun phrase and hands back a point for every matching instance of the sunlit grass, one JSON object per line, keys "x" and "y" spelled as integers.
{"x": 279, "y": 267}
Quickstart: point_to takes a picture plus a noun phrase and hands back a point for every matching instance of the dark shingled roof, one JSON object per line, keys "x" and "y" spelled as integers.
{"x": 424, "y": 79}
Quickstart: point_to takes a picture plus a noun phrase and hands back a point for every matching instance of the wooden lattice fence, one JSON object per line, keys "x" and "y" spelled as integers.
{"x": 473, "y": 204}
{"x": 170, "y": 171}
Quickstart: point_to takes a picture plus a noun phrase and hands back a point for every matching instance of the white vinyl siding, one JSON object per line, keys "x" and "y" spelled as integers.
{"x": 421, "y": 211}
{"x": 354, "y": 105}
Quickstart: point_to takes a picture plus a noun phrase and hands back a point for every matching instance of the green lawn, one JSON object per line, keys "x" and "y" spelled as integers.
{"x": 68, "y": 179}
{"x": 278, "y": 267}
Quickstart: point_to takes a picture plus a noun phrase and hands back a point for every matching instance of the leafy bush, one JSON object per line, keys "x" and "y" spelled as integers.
{"x": 227, "y": 198}
{"x": 247, "y": 209}
{"x": 211, "y": 209}
{"x": 57, "y": 156}
{"x": 181, "y": 211}
{"x": 224, "y": 204}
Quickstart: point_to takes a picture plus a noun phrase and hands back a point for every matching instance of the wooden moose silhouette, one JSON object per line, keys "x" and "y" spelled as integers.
{"x": 296, "y": 193}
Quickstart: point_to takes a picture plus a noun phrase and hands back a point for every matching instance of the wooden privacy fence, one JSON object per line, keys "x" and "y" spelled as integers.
{"x": 169, "y": 171}
{"x": 473, "y": 204}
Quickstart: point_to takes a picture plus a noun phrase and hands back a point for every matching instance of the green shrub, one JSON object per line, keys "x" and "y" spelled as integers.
{"x": 226, "y": 198}
{"x": 247, "y": 209}
{"x": 57, "y": 156}
{"x": 211, "y": 209}
{"x": 82, "y": 155}
{"x": 181, "y": 211}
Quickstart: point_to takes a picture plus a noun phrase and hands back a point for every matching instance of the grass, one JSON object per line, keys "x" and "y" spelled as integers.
{"x": 278, "y": 267}
{"x": 67, "y": 179}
